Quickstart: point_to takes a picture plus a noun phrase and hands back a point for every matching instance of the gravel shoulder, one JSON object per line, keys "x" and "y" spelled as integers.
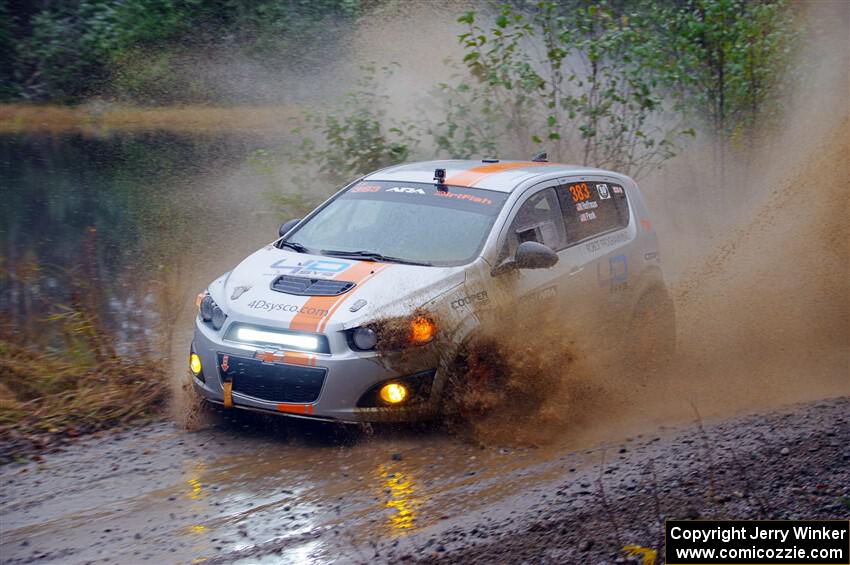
{"x": 791, "y": 463}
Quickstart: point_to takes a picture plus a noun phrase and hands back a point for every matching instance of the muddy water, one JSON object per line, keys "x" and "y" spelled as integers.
{"x": 134, "y": 214}
{"x": 298, "y": 491}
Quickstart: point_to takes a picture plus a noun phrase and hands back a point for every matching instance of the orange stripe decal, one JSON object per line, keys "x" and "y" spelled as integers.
{"x": 472, "y": 176}
{"x": 310, "y": 323}
{"x": 323, "y": 324}
{"x": 299, "y": 359}
{"x": 296, "y": 408}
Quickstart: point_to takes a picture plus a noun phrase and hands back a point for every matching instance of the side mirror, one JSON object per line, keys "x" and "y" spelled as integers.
{"x": 286, "y": 226}
{"x": 533, "y": 255}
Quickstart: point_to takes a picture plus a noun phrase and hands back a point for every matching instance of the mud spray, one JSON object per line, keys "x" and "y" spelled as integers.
{"x": 758, "y": 268}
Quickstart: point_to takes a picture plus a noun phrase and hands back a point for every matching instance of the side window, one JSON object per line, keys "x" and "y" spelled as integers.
{"x": 538, "y": 219}
{"x": 592, "y": 208}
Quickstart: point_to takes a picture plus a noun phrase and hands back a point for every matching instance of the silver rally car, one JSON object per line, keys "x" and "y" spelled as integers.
{"x": 440, "y": 248}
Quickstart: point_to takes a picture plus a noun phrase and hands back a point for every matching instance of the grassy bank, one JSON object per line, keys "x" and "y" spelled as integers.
{"x": 99, "y": 117}
{"x": 64, "y": 371}
{"x": 47, "y": 396}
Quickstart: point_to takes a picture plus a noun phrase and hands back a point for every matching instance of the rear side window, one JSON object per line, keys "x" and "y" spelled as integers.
{"x": 592, "y": 208}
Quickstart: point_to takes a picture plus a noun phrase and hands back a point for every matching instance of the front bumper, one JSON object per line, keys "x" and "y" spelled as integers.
{"x": 329, "y": 385}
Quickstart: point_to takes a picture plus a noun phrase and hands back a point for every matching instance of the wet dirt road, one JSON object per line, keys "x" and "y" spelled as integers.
{"x": 234, "y": 494}
{"x": 160, "y": 494}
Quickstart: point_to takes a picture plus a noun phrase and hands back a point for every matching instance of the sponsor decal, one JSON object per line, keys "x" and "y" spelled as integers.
{"x": 318, "y": 268}
{"x": 478, "y": 298}
{"x": 602, "y": 190}
{"x": 465, "y": 197}
{"x": 406, "y": 190}
{"x": 225, "y": 363}
{"x": 587, "y": 216}
{"x": 239, "y": 291}
{"x": 273, "y": 307}
{"x": 543, "y": 295}
{"x": 587, "y": 205}
{"x": 646, "y": 224}
{"x": 617, "y": 189}
{"x": 618, "y": 273}
{"x": 606, "y": 241}
{"x": 365, "y": 187}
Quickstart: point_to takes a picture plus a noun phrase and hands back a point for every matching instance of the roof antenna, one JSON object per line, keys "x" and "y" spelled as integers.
{"x": 440, "y": 177}
{"x": 541, "y": 157}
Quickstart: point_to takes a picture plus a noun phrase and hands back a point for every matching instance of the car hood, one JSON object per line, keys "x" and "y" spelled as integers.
{"x": 375, "y": 290}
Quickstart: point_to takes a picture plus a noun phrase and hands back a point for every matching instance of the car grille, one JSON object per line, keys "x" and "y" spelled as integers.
{"x": 273, "y": 382}
{"x": 303, "y": 286}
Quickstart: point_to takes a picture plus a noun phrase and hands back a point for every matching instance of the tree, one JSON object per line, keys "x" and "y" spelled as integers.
{"x": 734, "y": 64}
{"x": 582, "y": 79}
{"x": 339, "y": 145}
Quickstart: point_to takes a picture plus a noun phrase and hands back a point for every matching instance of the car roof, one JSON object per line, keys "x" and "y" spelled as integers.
{"x": 491, "y": 174}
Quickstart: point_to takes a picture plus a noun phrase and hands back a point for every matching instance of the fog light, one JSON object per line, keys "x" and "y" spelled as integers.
{"x": 393, "y": 393}
{"x": 421, "y": 330}
{"x": 195, "y": 364}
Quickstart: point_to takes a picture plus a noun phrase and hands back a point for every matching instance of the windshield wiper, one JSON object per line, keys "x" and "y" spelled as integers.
{"x": 373, "y": 256}
{"x": 293, "y": 245}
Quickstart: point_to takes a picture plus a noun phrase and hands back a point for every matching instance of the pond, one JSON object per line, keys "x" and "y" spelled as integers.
{"x": 130, "y": 226}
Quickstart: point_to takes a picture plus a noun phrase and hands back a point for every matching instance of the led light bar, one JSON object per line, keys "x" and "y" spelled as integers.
{"x": 252, "y": 335}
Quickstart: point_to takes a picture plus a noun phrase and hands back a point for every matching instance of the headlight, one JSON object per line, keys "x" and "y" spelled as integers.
{"x": 364, "y": 338}
{"x": 218, "y": 317}
{"x": 210, "y": 311}
{"x": 206, "y": 308}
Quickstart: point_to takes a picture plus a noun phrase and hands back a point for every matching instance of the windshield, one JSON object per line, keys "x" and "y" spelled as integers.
{"x": 404, "y": 222}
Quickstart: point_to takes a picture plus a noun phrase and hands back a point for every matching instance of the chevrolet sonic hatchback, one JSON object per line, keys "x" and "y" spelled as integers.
{"x": 355, "y": 311}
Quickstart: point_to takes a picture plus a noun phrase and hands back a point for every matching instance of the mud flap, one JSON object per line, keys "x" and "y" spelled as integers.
{"x": 228, "y": 393}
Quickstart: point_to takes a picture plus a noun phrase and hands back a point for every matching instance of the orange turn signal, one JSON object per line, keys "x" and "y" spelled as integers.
{"x": 422, "y": 330}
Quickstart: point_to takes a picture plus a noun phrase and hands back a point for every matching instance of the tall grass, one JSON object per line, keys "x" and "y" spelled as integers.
{"x": 63, "y": 372}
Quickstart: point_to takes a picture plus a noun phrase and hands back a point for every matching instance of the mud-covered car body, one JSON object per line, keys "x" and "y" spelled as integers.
{"x": 276, "y": 333}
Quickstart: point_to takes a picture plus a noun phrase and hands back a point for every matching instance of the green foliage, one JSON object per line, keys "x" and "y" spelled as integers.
{"x": 340, "y": 145}
{"x": 581, "y": 79}
{"x": 597, "y": 82}
{"x": 733, "y": 60}
{"x": 63, "y": 51}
